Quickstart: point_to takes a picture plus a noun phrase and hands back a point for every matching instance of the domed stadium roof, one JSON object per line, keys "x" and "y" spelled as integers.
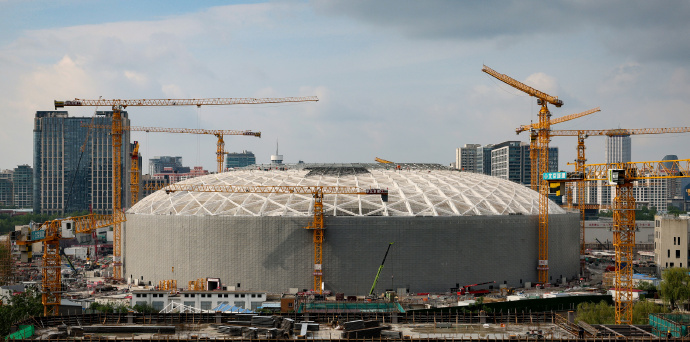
{"x": 414, "y": 190}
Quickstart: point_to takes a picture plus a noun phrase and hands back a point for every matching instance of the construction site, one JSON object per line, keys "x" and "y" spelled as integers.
{"x": 347, "y": 251}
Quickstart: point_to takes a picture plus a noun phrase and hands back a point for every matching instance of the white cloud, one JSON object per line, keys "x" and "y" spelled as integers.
{"x": 172, "y": 91}
{"x": 137, "y": 78}
{"x": 622, "y": 78}
{"x": 544, "y": 83}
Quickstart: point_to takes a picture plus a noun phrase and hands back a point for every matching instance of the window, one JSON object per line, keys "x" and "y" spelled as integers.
{"x": 253, "y": 295}
{"x": 668, "y": 253}
{"x": 677, "y": 253}
{"x": 192, "y": 304}
{"x": 158, "y": 305}
{"x": 206, "y": 305}
{"x": 242, "y": 295}
{"x": 239, "y": 304}
{"x": 138, "y": 295}
{"x": 671, "y": 264}
{"x": 236, "y": 295}
{"x": 186, "y": 294}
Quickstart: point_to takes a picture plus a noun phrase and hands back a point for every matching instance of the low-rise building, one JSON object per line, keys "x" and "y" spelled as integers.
{"x": 204, "y": 300}
{"x": 671, "y": 241}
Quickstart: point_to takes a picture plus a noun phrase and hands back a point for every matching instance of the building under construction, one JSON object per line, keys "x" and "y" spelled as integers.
{"x": 450, "y": 229}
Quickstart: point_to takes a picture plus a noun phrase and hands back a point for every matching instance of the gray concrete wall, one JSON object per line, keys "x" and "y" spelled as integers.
{"x": 430, "y": 254}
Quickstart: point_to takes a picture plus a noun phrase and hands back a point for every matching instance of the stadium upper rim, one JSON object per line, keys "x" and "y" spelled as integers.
{"x": 414, "y": 190}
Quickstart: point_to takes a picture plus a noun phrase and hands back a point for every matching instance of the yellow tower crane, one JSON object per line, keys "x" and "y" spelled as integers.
{"x": 622, "y": 176}
{"x": 539, "y": 155}
{"x": 118, "y": 105}
{"x": 317, "y": 224}
{"x": 580, "y": 161}
{"x": 383, "y": 161}
{"x": 50, "y": 233}
{"x": 220, "y": 146}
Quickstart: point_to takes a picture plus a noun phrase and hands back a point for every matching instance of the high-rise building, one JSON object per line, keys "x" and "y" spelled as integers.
{"x": 159, "y": 165}
{"x": 6, "y": 192}
{"x": 244, "y": 158}
{"x": 73, "y": 164}
{"x": 484, "y": 159}
{"x": 618, "y": 149}
{"x": 466, "y": 157}
{"x": 511, "y": 160}
{"x": 22, "y": 186}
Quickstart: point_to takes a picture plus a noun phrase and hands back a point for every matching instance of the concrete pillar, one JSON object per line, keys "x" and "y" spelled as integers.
{"x": 130, "y": 318}
{"x": 218, "y": 318}
{"x": 482, "y": 317}
{"x": 571, "y": 317}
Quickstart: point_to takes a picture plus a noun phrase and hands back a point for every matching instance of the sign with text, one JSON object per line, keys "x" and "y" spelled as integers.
{"x": 555, "y": 175}
{"x": 38, "y": 235}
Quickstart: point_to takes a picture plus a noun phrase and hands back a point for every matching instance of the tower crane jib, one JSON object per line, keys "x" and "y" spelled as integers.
{"x": 117, "y": 128}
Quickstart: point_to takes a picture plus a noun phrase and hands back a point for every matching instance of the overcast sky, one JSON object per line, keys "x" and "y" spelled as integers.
{"x": 400, "y": 80}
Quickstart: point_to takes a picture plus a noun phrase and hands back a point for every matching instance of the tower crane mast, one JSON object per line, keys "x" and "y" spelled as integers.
{"x": 580, "y": 161}
{"x": 117, "y": 106}
{"x": 622, "y": 176}
{"x": 539, "y": 155}
{"x": 50, "y": 233}
{"x": 218, "y": 133}
{"x": 317, "y": 223}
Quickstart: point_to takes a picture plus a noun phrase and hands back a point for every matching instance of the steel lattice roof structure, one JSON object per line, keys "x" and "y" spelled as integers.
{"x": 414, "y": 190}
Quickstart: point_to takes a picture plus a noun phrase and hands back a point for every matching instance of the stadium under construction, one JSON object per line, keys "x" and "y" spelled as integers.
{"x": 450, "y": 228}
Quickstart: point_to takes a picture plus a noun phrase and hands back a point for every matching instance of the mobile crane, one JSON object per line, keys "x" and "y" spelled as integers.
{"x": 467, "y": 289}
{"x": 373, "y": 286}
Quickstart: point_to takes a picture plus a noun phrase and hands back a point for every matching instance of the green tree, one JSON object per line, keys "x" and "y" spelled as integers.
{"x": 675, "y": 286}
{"x": 672, "y": 210}
{"x": 109, "y": 308}
{"x": 645, "y": 286}
{"x": 592, "y": 313}
{"x": 19, "y": 306}
{"x": 145, "y": 308}
{"x": 6, "y": 269}
{"x": 8, "y": 222}
{"x": 642, "y": 214}
{"x": 603, "y": 313}
{"x": 643, "y": 308}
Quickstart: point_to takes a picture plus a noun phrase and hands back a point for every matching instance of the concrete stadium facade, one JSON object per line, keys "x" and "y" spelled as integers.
{"x": 431, "y": 253}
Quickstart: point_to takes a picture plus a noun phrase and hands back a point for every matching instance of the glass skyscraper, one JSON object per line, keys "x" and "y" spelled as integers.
{"x": 235, "y": 159}
{"x": 72, "y": 163}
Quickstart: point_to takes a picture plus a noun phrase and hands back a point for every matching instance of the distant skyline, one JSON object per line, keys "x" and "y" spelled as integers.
{"x": 400, "y": 80}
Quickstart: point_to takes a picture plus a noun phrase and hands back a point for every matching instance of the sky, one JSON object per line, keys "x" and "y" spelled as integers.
{"x": 396, "y": 79}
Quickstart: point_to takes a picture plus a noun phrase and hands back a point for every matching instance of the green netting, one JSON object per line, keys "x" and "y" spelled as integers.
{"x": 25, "y": 331}
{"x": 673, "y": 323}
